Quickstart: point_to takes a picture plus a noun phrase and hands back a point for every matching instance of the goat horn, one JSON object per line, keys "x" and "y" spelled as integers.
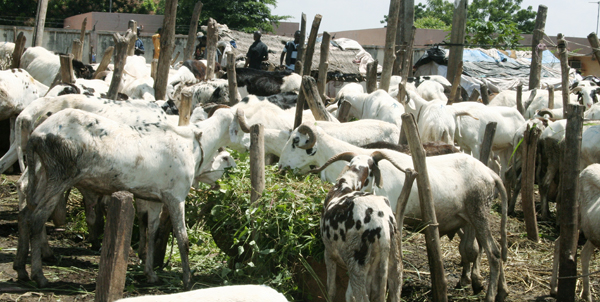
{"x": 545, "y": 111}
{"x": 312, "y": 138}
{"x": 347, "y": 156}
{"x": 241, "y": 118}
{"x": 378, "y": 155}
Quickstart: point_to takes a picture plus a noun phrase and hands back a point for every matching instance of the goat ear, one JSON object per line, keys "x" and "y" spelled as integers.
{"x": 377, "y": 175}
{"x": 411, "y": 103}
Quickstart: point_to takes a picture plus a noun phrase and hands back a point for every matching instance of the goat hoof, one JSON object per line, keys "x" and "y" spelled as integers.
{"x": 501, "y": 295}
{"x": 22, "y": 275}
{"x": 40, "y": 280}
{"x": 477, "y": 287}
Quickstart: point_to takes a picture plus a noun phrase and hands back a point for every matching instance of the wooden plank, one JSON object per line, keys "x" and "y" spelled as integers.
{"x": 121, "y": 45}
{"x": 18, "y": 52}
{"x": 372, "y": 76}
{"x": 211, "y": 48}
{"x": 536, "y": 52}
{"x": 232, "y": 79}
{"x": 439, "y": 284}
{"x": 257, "y": 161}
{"x": 389, "y": 56}
{"x": 108, "y": 52}
{"x": 310, "y": 47}
{"x": 324, "y": 64}
{"x": 300, "y": 61}
{"x": 311, "y": 94}
{"x": 167, "y": 45}
{"x": 457, "y": 39}
{"x": 188, "y": 53}
{"x": 528, "y": 150}
{"x": 568, "y": 206}
{"x": 110, "y": 282}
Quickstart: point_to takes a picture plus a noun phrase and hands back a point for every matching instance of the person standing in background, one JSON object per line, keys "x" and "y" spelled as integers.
{"x": 139, "y": 45}
{"x": 290, "y": 52}
{"x": 257, "y": 53}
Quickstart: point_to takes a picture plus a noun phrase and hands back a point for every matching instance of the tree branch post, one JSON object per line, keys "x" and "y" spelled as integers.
{"x": 372, "y": 76}
{"x": 457, "y": 39}
{"x": 324, "y": 64}
{"x": 211, "y": 48}
{"x": 564, "y": 68}
{"x": 536, "y": 50}
{"x": 167, "y": 45}
{"x": 311, "y": 94}
{"x": 300, "y": 61}
{"x": 310, "y": 48}
{"x": 232, "y": 79}
{"x": 390, "y": 42}
{"x": 257, "y": 161}
{"x": 18, "y": 52}
{"x": 188, "y": 53}
{"x": 121, "y": 45}
{"x": 528, "y": 150}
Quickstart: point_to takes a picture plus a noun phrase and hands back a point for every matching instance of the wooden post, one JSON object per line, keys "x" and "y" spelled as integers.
{"x": 132, "y": 25}
{"x": 561, "y": 44}
{"x": 486, "y": 144}
{"x": 454, "y": 94}
{"x": 300, "y": 61}
{"x": 457, "y": 40}
{"x": 485, "y": 97}
{"x": 474, "y": 96}
{"x": 77, "y": 49}
{"x": 310, "y": 47}
{"x": 299, "y": 108}
{"x": 402, "y": 140}
{"x": 121, "y": 44}
{"x": 593, "y": 39}
{"x": 406, "y": 65}
{"x": 108, "y": 52}
{"x": 115, "y": 248}
{"x": 153, "y": 67}
{"x": 390, "y": 42}
{"x": 188, "y": 53}
{"x": 232, "y": 79}
{"x": 568, "y": 207}
{"x": 211, "y": 48}
{"x": 167, "y": 44}
{"x": 520, "y": 107}
{"x": 344, "y": 111}
{"x": 536, "y": 52}
{"x": 550, "y": 97}
{"x": 324, "y": 64}
{"x": 372, "y": 76}
{"x": 14, "y": 34}
{"x": 82, "y": 38}
{"x": 406, "y": 17}
{"x": 40, "y": 20}
{"x": 311, "y": 94}
{"x": 528, "y": 150}
{"x": 409, "y": 179}
{"x": 257, "y": 161}
{"x": 66, "y": 69}
{"x": 185, "y": 108}
{"x": 18, "y": 52}
{"x": 439, "y": 285}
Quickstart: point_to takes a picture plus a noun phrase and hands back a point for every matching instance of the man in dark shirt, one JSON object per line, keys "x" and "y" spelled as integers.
{"x": 257, "y": 53}
{"x": 290, "y": 52}
{"x": 139, "y": 45}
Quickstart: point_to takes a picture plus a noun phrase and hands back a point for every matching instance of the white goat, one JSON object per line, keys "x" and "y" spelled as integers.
{"x": 84, "y": 149}
{"x": 589, "y": 224}
{"x": 378, "y": 105}
{"x": 462, "y": 186}
{"x": 232, "y": 293}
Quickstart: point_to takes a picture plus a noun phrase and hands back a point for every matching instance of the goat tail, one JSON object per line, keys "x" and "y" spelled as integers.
{"x": 21, "y": 137}
{"x": 32, "y": 184}
{"x": 503, "y": 236}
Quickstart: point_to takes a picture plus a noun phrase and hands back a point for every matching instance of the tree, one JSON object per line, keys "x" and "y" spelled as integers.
{"x": 243, "y": 15}
{"x": 492, "y": 34}
{"x": 431, "y": 23}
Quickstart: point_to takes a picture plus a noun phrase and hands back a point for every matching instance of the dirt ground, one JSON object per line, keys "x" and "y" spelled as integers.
{"x": 72, "y": 274}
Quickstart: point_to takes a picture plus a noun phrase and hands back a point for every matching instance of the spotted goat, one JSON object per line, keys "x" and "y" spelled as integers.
{"x": 359, "y": 232}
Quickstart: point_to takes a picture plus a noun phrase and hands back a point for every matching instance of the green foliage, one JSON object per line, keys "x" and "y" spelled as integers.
{"x": 244, "y": 15}
{"x": 489, "y": 34}
{"x": 265, "y": 239}
{"x": 431, "y": 23}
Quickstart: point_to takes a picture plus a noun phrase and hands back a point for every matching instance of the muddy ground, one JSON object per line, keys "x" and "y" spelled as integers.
{"x": 72, "y": 274}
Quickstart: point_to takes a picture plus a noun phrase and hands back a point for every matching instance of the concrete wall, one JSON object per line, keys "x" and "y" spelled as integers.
{"x": 61, "y": 40}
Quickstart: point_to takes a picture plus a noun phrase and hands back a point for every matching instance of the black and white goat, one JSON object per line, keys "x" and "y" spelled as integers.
{"x": 266, "y": 83}
{"x": 360, "y": 233}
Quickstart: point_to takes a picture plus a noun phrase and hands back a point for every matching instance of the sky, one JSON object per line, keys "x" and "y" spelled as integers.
{"x": 573, "y": 18}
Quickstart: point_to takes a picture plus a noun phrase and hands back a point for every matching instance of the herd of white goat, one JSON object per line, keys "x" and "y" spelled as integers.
{"x": 71, "y": 136}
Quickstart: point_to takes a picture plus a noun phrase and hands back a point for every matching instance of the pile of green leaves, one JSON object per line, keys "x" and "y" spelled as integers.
{"x": 266, "y": 240}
